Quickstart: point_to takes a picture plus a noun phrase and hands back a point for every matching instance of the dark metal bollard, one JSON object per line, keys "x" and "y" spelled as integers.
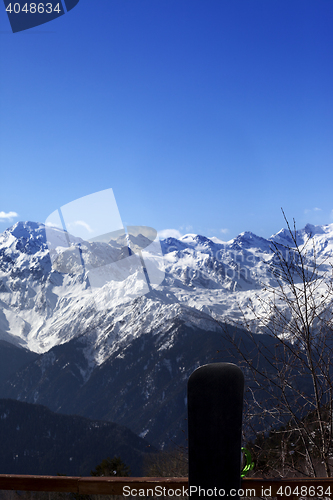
{"x": 215, "y": 405}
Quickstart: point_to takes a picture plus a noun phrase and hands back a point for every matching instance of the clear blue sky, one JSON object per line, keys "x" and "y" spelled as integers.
{"x": 204, "y": 116}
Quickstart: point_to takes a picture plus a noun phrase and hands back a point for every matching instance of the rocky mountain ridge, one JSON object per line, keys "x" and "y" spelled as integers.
{"x": 130, "y": 362}
{"x": 42, "y": 307}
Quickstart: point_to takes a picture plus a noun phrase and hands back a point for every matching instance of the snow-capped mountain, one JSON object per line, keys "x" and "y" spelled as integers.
{"x": 42, "y": 307}
{"x": 131, "y": 356}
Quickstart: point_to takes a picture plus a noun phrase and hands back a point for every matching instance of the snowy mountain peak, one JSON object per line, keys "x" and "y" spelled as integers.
{"x": 311, "y": 230}
{"x": 172, "y": 244}
{"x": 191, "y": 238}
{"x": 136, "y": 243}
{"x": 27, "y": 229}
{"x": 196, "y": 240}
{"x": 28, "y": 237}
{"x": 247, "y": 240}
{"x": 283, "y": 237}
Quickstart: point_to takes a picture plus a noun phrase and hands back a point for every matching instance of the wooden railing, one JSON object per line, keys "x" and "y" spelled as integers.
{"x": 252, "y": 487}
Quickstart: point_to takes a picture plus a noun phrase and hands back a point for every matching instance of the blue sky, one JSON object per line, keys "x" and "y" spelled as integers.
{"x": 204, "y": 116}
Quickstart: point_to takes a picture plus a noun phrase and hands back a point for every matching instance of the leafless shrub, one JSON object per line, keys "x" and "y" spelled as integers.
{"x": 291, "y": 374}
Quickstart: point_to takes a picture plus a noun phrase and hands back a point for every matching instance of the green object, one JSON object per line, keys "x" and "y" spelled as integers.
{"x": 249, "y": 464}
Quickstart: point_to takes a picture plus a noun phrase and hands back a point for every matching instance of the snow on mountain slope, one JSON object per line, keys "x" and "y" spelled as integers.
{"x": 42, "y": 306}
{"x": 320, "y": 234}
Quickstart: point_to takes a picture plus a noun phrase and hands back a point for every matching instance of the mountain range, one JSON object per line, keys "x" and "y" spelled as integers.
{"x": 128, "y": 362}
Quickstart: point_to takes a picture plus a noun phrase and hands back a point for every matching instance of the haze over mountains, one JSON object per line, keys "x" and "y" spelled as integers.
{"x": 128, "y": 362}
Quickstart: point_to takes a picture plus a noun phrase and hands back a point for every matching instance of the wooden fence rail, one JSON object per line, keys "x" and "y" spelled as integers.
{"x": 252, "y": 487}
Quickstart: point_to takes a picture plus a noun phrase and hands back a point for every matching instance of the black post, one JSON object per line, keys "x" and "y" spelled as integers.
{"x": 215, "y": 405}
